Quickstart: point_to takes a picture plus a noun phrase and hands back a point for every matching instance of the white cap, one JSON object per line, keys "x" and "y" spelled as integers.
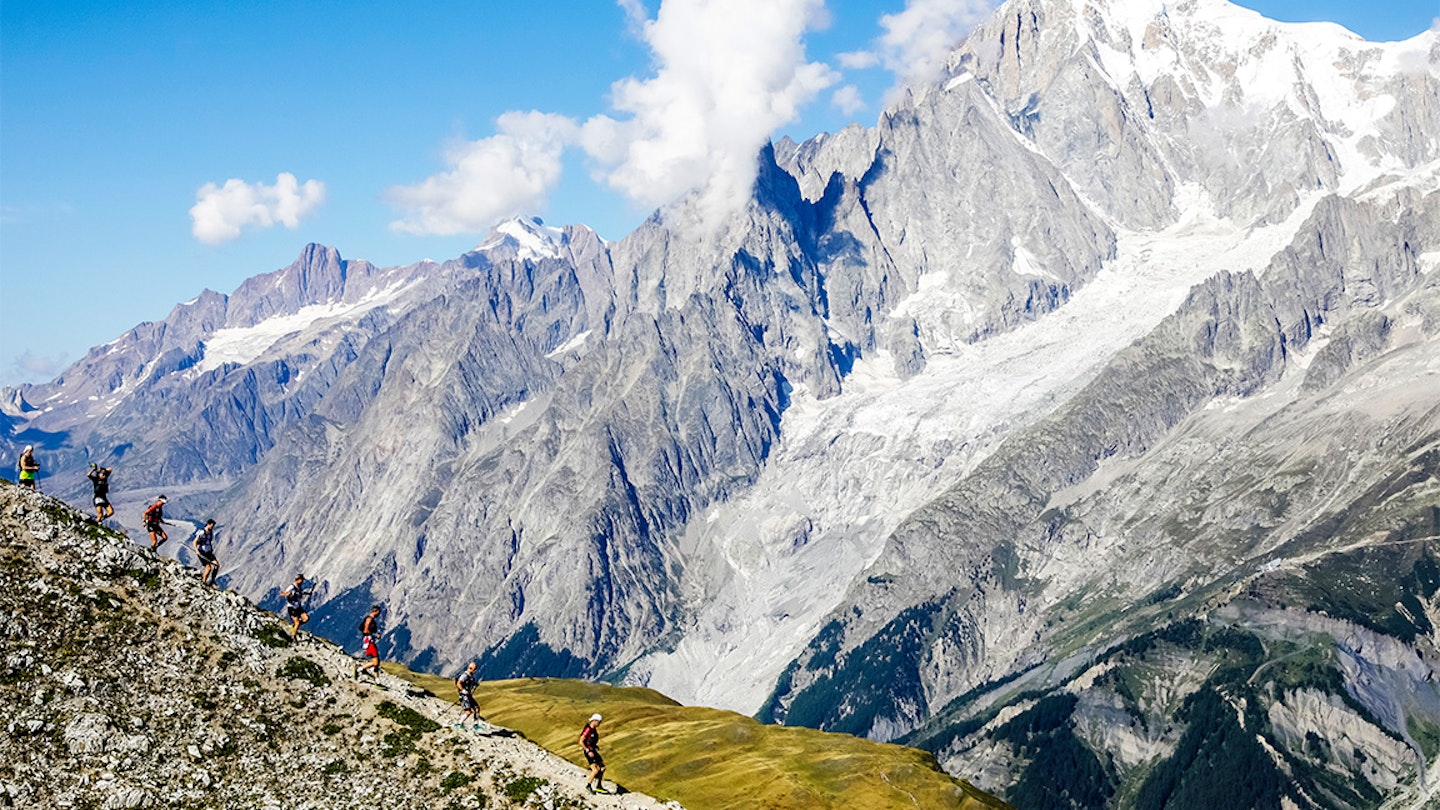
{"x": 595, "y": 718}
{"x": 29, "y": 448}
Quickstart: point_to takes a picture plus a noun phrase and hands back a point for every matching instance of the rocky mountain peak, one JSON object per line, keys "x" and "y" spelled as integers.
{"x": 1256, "y": 112}
{"x": 525, "y": 238}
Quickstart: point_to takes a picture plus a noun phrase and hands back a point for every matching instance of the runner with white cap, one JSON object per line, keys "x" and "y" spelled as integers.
{"x": 590, "y": 745}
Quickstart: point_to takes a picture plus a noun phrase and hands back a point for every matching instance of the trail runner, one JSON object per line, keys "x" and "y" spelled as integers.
{"x": 155, "y": 522}
{"x": 590, "y": 746}
{"x": 295, "y": 597}
{"x": 100, "y": 480}
{"x": 205, "y": 553}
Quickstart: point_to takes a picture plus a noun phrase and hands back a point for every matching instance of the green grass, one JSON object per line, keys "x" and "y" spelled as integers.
{"x": 298, "y": 667}
{"x": 412, "y": 720}
{"x": 149, "y": 580}
{"x": 1425, "y": 734}
{"x": 271, "y": 636}
{"x": 707, "y": 758}
{"x": 453, "y": 780}
{"x": 520, "y": 789}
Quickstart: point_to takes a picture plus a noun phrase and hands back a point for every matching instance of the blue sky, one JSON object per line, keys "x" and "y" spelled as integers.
{"x": 355, "y": 123}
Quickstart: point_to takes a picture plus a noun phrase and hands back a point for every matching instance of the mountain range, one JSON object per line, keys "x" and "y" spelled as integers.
{"x": 1077, "y": 422}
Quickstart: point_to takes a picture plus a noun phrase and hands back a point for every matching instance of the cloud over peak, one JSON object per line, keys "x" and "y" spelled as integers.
{"x": 728, "y": 73}
{"x": 222, "y": 213}
{"x": 504, "y": 175}
{"x": 28, "y": 365}
{"x": 918, "y": 39}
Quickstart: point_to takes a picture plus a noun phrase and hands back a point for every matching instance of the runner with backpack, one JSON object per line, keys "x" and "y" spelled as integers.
{"x": 205, "y": 553}
{"x": 29, "y": 467}
{"x": 154, "y": 519}
{"x": 465, "y": 685}
{"x": 370, "y": 633}
{"x": 295, "y": 597}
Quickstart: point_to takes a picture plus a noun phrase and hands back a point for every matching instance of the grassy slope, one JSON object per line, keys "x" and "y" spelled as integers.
{"x": 708, "y": 758}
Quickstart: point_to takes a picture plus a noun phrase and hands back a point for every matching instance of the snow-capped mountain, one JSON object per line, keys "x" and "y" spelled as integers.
{"x": 1046, "y": 418}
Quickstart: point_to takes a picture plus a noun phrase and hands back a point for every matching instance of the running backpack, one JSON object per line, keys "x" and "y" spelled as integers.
{"x": 152, "y": 513}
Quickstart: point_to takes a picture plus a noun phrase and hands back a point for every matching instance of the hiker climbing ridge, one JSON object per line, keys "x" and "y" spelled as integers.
{"x": 205, "y": 553}
{"x": 155, "y": 522}
{"x": 100, "y": 480}
{"x": 295, "y": 597}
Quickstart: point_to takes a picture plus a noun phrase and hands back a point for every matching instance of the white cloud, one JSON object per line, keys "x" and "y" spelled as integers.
{"x": 858, "y": 60}
{"x": 31, "y": 366}
{"x": 847, "y": 100}
{"x": 729, "y": 72}
{"x": 222, "y": 212}
{"x": 917, "y": 40}
{"x": 507, "y": 174}
{"x": 635, "y": 15}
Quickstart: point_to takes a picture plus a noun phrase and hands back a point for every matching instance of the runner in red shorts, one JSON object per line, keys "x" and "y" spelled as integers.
{"x": 370, "y": 632}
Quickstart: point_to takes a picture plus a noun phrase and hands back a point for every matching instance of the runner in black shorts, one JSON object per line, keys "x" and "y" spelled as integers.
{"x": 590, "y": 745}
{"x": 295, "y": 604}
{"x": 155, "y": 521}
{"x": 465, "y": 684}
{"x": 205, "y": 553}
{"x": 100, "y": 479}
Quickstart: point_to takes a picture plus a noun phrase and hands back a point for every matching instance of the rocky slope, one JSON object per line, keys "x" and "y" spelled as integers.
{"x": 126, "y": 683}
{"x": 1274, "y": 474}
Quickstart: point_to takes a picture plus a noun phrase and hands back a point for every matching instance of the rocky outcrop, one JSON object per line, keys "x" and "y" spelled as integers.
{"x": 129, "y": 684}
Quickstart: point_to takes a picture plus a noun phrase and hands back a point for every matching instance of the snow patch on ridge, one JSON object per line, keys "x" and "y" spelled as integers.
{"x": 1254, "y": 66}
{"x": 1026, "y": 263}
{"x": 569, "y": 345}
{"x": 241, "y": 345}
{"x": 533, "y": 239}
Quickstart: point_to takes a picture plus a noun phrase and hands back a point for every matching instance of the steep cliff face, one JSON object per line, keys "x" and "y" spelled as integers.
{"x": 1133, "y": 98}
{"x": 195, "y": 399}
{"x": 1286, "y": 422}
{"x": 1281, "y": 416}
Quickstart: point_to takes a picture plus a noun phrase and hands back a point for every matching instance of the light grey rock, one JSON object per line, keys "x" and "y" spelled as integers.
{"x": 89, "y": 734}
{"x": 124, "y": 797}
